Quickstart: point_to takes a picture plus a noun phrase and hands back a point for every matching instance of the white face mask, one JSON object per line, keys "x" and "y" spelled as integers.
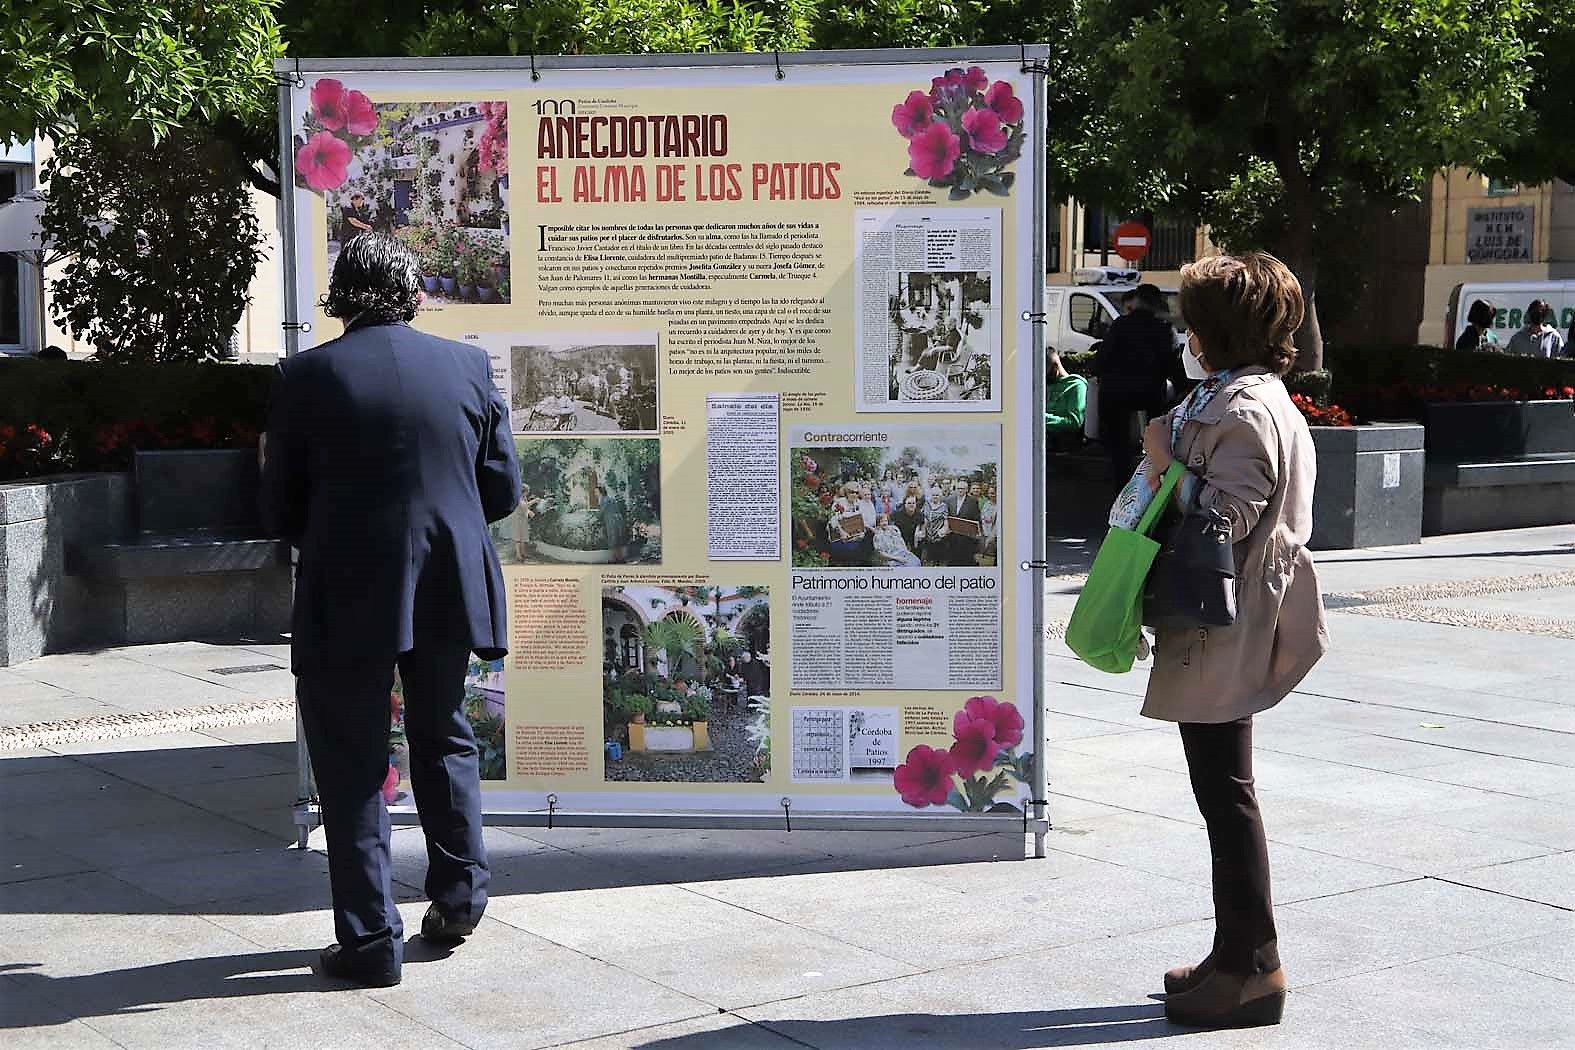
{"x": 1193, "y": 365}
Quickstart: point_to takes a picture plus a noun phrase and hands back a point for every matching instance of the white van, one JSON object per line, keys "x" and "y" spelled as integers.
{"x": 1079, "y": 315}
{"x": 1509, "y": 300}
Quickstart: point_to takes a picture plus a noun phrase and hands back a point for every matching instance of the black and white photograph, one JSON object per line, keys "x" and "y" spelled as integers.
{"x": 600, "y": 384}
{"x": 939, "y": 340}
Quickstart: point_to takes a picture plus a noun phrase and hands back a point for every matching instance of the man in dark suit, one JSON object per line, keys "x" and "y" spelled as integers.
{"x": 387, "y": 453}
{"x": 963, "y": 503}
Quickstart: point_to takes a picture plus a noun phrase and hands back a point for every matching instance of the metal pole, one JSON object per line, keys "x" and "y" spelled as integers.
{"x": 1041, "y": 785}
{"x": 291, "y": 296}
{"x": 305, "y": 810}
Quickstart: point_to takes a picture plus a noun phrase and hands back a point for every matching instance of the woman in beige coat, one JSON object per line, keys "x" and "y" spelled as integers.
{"x": 1249, "y": 456}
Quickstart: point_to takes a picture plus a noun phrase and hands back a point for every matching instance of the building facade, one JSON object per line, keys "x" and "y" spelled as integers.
{"x": 1480, "y": 229}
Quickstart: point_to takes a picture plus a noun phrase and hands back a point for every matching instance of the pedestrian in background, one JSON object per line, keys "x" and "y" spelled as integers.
{"x": 388, "y": 453}
{"x": 1249, "y": 457}
{"x": 1133, "y": 365}
{"x": 1066, "y": 397}
{"x": 1479, "y": 329}
{"x": 1538, "y": 338}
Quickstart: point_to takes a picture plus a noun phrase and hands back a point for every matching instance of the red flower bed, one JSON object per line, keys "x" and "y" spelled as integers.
{"x": 1321, "y": 415}
{"x": 31, "y": 450}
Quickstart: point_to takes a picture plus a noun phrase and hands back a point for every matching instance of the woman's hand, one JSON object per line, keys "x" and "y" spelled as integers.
{"x": 1156, "y": 446}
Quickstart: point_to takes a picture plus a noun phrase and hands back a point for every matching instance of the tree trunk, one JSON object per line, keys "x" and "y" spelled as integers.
{"x": 1301, "y": 255}
{"x": 1309, "y": 337}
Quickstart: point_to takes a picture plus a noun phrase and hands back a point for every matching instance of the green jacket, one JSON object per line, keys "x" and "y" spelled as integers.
{"x": 1065, "y": 402}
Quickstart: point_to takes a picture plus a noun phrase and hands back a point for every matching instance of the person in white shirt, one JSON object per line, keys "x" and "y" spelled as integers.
{"x": 1538, "y": 338}
{"x": 866, "y": 506}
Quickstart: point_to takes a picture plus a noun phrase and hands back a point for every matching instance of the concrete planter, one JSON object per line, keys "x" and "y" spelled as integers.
{"x": 1499, "y": 465}
{"x": 1369, "y": 491}
{"x": 41, "y": 608}
{"x": 48, "y": 604}
{"x": 1480, "y": 431}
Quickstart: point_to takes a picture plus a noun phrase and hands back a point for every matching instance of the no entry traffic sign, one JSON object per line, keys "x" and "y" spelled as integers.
{"x": 1132, "y": 241}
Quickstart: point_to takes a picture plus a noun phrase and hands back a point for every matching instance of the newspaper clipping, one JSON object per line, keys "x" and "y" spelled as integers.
{"x": 928, "y": 332}
{"x": 741, "y": 441}
{"x": 895, "y": 547}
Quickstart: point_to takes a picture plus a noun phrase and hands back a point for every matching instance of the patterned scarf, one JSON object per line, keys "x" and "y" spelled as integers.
{"x": 1136, "y": 495}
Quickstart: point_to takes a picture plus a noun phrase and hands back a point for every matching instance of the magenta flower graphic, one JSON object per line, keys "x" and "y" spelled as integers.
{"x": 1004, "y": 102}
{"x": 360, "y": 117}
{"x": 964, "y": 133}
{"x": 912, "y": 114}
{"x": 975, "y": 749}
{"x": 328, "y": 98}
{"x": 925, "y": 779}
{"x": 985, "y": 133}
{"x": 933, "y": 152}
{"x": 337, "y": 124}
{"x": 983, "y": 759}
{"x": 1007, "y": 722}
{"x": 972, "y": 81}
{"x": 323, "y": 162}
{"x": 339, "y": 110}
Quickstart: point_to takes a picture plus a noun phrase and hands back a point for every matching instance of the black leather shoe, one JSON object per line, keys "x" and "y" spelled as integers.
{"x": 333, "y": 962}
{"x": 441, "y": 929}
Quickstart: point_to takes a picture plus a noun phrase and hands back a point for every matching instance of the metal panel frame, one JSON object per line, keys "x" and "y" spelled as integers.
{"x": 1035, "y": 817}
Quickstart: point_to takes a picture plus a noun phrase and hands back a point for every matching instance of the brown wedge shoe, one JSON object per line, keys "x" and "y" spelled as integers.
{"x": 1186, "y": 978}
{"x": 1222, "y": 1000}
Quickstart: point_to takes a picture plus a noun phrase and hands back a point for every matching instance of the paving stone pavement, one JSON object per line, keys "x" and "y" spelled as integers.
{"x": 1417, "y": 791}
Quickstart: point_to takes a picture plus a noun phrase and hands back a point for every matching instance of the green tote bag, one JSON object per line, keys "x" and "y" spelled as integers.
{"x": 1104, "y": 628}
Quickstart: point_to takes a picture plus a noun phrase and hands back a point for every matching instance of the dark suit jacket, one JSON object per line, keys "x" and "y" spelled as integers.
{"x": 388, "y": 452}
{"x": 1136, "y": 357}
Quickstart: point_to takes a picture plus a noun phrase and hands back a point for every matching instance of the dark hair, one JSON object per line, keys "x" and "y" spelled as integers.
{"x": 1127, "y": 298}
{"x": 1537, "y": 312}
{"x": 374, "y": 282}
{"x": 1150, "y": 298}
{"x": 52, "y": 353}
{"x": 1243, "y": 310}
{"x": 1481, "y": 314}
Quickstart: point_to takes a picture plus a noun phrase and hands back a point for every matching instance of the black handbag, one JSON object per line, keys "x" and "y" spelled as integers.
{"x": 1193, "y": 580}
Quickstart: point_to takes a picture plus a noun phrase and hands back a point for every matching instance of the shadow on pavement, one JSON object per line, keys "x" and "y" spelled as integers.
{"x": 36, "y": 1000}
{"x": 208, "y": 831}
{"x": 1078, "y": 1026}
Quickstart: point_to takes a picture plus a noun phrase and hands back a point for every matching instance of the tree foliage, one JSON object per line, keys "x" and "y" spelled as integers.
{"x": 518, "y": 27}
{"x": 1293, "y": 109}
{"x": 1541, "y": 149}
{"x": 162, "y": 242}
{"x": 148, "y": 66}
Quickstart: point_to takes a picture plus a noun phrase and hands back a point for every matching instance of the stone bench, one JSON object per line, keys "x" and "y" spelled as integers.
{"x": 194, "y": 560}
{"x": 1499, "y": 466}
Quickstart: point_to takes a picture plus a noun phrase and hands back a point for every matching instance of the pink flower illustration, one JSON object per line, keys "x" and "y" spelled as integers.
{"x": 975, "y": 749}
{"x": 1004, "y": 717}
{"x": 359, "y": 116}
{"x": 324, "y": 162}
{"x": 913, "y": 114}
{"x": 925, "y": 779}
{"x": 391, "y": 786}
{"x": 985, "y": 132}
{"x": 1004, "y": 102}
{"x": 972, "y": 80}
{"x": 933, "y": 152}
{"x": 328, "y": 103}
